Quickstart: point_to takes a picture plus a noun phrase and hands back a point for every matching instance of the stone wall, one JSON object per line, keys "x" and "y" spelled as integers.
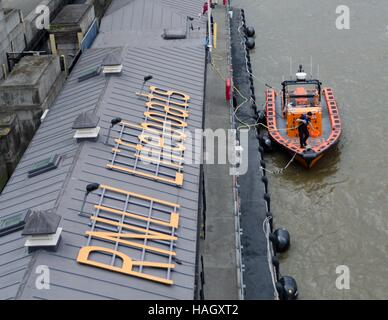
{"x": 11, "y": 146}
{"x": 4, "y": 42}
{"x": 30, "y": 89}
{"x": 11, "y": 35}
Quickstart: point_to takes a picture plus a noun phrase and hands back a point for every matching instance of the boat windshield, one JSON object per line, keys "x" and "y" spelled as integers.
{"x": 301, "y": 93}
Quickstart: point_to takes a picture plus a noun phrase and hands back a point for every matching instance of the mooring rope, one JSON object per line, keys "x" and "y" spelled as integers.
{"x": 280, "y": 171}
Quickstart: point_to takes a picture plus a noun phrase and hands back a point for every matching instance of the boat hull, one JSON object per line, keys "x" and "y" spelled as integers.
{"x": 308, "y": 158}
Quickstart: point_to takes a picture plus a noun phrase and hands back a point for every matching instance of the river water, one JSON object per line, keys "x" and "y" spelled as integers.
{"x": 337, "y": 213}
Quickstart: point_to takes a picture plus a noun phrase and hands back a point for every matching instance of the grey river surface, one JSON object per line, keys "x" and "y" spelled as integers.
{"x": 337, "y": 212}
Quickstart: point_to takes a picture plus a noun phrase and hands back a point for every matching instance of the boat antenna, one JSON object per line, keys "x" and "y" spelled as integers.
{"x": 290, "y": 67}
{"x": 311, "y": 67}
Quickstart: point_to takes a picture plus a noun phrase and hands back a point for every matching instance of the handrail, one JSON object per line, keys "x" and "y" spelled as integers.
{"x": 236, "y": 197}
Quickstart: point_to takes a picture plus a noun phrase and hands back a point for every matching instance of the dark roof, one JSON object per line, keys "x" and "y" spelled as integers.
{"x": 41, "y": 222}
{"x": 174, "y": 65}
{"x": 86, "y": 120}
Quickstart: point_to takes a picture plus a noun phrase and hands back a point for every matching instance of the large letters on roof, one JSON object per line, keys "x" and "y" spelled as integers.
{"x": 155, "y": 148}
{"x": 132, "y": 234}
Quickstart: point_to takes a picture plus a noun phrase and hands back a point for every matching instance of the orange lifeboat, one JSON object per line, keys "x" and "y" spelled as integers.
{"x": 297, "y": 98}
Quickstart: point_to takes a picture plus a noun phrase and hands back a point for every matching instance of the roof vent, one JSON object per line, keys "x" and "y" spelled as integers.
{"x": 12, "y": 223}
{"x": 112, "y": 63}
{"x": 42, "y": 230}
{"x": 44, "y": 166}
{"x": 86, "y": 127}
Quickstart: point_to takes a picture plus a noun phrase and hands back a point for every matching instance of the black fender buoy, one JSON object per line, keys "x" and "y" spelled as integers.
{"x": 267, "y": 198}
{"x": 281, "y": 240}
{"x": 250, "y": 31}
{"x": 250, "y": 43}
{"x": 276, "y": 264}
{"x": 269, "y": 215}
{"x": 264, "y": 179}
{"x": 262, "y": 165}
{"x": 280, "y": 290}
{"x": 234, "y": 101}
{"x": 253, "y": 106}
{"x": 262, "y": 117}
{"x": 288, "y": 288}
{"x": 266, "y": 142}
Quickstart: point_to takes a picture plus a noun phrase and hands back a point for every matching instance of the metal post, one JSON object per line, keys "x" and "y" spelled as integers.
{"x": 53, "y": 45}
{"x": 80, "y": 37}
{"x": 108, "y": 135}
{"x": 5, "y": 71}
{"x": 81, "y": 213}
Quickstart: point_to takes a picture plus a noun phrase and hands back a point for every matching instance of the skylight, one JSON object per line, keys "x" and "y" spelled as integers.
{"x": 90, "y": 74}
{"x": 12, "y": 223}
{"x": 45, "y": 165}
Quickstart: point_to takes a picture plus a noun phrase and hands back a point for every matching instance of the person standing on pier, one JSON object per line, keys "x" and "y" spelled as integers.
{"x": 205, "y": 8}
